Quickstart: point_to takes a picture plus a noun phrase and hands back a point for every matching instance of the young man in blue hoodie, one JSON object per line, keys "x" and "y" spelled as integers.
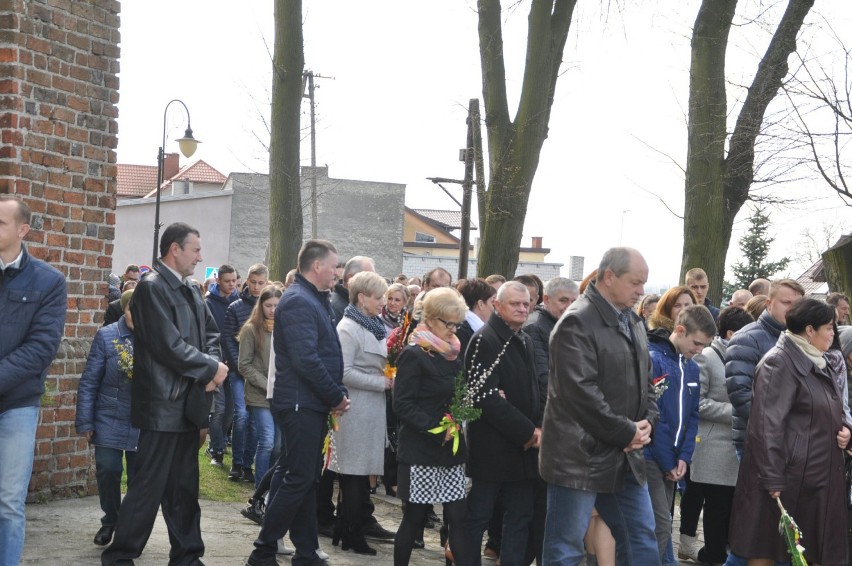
{"x": 676, "y": 378}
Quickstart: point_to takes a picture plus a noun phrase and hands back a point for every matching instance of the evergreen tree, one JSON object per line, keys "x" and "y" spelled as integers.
{"x": 754, "y": 246}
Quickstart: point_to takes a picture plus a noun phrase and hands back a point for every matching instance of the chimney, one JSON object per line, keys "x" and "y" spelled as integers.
{"x": 536, "y": 242}
{"x": 171, "y": 165}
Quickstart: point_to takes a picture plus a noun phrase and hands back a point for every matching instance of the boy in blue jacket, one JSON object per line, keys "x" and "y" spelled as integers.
{"x": 676, "y": 378}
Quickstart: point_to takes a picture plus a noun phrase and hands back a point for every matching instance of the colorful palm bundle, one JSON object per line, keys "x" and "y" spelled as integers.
{"x": 660, "y": 384}
{"x": 328, "y": 443}
{"x": 792, "y": 535}
{"x": 468, "y": 392}
{"x": 396, "y": 343}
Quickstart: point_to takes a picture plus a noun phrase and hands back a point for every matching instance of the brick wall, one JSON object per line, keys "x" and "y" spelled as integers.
{"x": 58, "y": 96}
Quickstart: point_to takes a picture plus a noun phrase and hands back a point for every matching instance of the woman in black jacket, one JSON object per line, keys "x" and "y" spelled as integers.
{"x": 429, "y": 469}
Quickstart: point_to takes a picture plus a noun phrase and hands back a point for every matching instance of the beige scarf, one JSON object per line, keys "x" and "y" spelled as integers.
{"x": 811, "y": 351}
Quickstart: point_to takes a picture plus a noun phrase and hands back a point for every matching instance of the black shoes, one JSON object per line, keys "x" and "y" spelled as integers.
{"x": 375, "y": 531}
{"x": 247, "y": 475}
{"x": 104, "y": 535}
{"x": 432, "y": 520}
{"x": 268, "y": 561}
{"x": 355, "y": 541}
{"x": 216, "y": 458}
{"x": 236, "y": 472}
{"x": 254, "y": 511}
{"x": 419, "y": 544}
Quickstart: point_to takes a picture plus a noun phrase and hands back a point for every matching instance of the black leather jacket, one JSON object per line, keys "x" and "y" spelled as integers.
{"x": 176, "y": 349}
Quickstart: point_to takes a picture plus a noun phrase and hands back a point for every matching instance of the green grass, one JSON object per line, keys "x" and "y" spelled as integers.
{"x": 213, "y": 482}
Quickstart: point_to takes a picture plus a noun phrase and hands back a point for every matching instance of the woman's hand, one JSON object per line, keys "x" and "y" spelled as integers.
{"x": 843, "y": 438}
{"x": 388, "y": 383}
{"x": 774, "y": 494}
{"x": 449, "y": 435}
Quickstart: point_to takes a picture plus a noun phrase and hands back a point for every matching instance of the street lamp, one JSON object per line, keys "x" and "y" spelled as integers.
{"x": 188, "y": 145}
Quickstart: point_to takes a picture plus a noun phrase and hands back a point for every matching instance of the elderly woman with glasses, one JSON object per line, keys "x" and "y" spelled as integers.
{"x": 430, "y": 469}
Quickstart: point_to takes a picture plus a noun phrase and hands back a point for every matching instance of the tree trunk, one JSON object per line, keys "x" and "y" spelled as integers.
{"x": 514, "y": 147}
{"x": 717, "y": 186}
{"x": 285, "y": 196}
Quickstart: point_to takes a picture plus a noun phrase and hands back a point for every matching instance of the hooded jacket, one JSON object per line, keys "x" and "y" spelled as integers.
{"x": 674, "y": 435}
{"x": 235, "y": 317}
{"x": 218, "y": 304}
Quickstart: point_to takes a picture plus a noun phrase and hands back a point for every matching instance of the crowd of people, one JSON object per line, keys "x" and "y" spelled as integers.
{"x": 553, "y": 423}
{"x": 642, "y": 396}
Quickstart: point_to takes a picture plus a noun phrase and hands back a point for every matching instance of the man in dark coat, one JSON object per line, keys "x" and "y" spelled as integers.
{"x": 749, "y": 345}
{"x": 176, "y": 367}
{"x": 32, "y": 319}
{"x": 503, "y": 441}
{"x": 559, "y": 294}
{"x": 599, "y": 416}
{"x": 308, "y": 386}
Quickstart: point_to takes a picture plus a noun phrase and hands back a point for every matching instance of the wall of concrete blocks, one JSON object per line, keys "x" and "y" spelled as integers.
{"x": 58, "y": 96}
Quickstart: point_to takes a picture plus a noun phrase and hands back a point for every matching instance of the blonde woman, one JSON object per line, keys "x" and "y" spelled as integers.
{"x": 360, "y": 441}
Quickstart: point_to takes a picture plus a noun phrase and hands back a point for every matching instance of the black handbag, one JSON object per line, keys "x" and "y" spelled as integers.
{"x": 848, "y": 482}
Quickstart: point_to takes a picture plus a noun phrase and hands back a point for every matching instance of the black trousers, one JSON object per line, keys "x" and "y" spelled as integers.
{"x": 166, "y": 475}
{"x": 691, "y": 502}
{"x": 718, "y": 501}
{"x": 293, "y": 500}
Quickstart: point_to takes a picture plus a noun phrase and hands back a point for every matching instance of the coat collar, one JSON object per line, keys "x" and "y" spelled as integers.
{"x": 802, "y": 363}
{"x": 167, "y": 275}
{"x": 503, "y": 331}
{"x": 123, "y": 330}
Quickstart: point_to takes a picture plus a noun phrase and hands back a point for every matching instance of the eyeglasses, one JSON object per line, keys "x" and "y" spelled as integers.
{"x": 450, "y": 325}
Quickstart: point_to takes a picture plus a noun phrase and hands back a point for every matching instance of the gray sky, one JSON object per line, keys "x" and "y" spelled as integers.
{"x": 403, "y": 73}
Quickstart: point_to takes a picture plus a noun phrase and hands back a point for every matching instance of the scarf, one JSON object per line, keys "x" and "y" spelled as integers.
{"x": 372, "y": 323}
{"x": 392, "y": 320}
{"x": 424, "y": 338}
{"x": 269, "y": 324}
{"x": 811, "y": 351}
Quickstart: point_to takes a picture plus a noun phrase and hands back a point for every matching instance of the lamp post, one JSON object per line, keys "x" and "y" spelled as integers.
{"x": 188, "y": 145}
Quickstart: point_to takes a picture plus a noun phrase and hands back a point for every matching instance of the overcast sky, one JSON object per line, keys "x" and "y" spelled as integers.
{"x": 401, "y": 76}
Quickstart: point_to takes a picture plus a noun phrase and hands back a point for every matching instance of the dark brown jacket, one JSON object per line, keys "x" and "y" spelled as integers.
{"x": 599, "y": 386}
{"x": 790, "y": 447}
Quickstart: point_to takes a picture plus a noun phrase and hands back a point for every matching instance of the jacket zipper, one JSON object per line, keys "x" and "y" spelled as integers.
{"x": 680, "y": 401}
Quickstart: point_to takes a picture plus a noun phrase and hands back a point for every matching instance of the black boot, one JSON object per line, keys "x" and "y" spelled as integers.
{"x": 354, "y": 539}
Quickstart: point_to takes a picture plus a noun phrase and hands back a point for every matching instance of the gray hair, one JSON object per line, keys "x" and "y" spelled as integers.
{"x": 616, "y": 260}
{"x": 515, "y": 285}
{"x": 560, "y": 284}
{"x": 357, "y": 264}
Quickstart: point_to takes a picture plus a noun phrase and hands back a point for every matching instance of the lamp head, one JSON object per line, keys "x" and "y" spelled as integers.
{"x": 188, "y": 144}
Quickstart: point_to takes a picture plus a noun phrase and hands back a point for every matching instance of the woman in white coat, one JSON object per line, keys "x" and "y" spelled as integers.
{"x": 359, "y": 444}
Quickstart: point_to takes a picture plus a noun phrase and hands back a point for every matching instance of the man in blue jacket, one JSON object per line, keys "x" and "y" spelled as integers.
{"x": 33, "y": 299}
{"x": 219, "y": 296}
{"x": 676, "y": 377}
{"x": 308, "y": 386}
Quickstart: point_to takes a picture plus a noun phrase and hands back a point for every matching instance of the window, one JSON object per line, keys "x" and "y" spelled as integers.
{"x": 421, "y": 237}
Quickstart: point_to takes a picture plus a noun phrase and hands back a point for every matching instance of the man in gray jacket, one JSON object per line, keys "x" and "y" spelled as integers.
{"x": 599, "y": 416}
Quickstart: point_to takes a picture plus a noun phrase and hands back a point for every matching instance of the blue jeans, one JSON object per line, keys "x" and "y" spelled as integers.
{"x": 628, "y": 513}
{"x": 516, "y": 498}
{"x": 223, "y": 415}
{"x": 265, "y": 426}
{"x": 17, "y": 447}
{"x": 108, "y": 469}
{"x": 243, "y": 439}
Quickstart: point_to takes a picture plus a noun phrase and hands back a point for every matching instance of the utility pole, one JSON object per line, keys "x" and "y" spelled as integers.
{"x": 467, "y": 155}
{"x": 308, "y": 82}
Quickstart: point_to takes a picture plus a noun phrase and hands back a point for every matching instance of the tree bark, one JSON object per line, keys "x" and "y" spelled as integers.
{"x": 514, "y": 146}
{"x": 716, "y": 185}
{"x": 285, "y": 196}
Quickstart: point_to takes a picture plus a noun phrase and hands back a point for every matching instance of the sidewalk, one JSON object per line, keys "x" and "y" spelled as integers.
{"x": 60, "y": 533}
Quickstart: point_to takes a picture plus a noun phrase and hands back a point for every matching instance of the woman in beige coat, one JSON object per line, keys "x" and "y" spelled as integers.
{"x": 359, "y": 444}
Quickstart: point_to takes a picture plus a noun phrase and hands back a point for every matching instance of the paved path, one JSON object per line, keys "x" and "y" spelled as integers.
{"x": 60, "y": 533}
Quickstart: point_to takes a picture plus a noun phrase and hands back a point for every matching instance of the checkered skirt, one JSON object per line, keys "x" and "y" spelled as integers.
{"x": 431, "y": 484}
